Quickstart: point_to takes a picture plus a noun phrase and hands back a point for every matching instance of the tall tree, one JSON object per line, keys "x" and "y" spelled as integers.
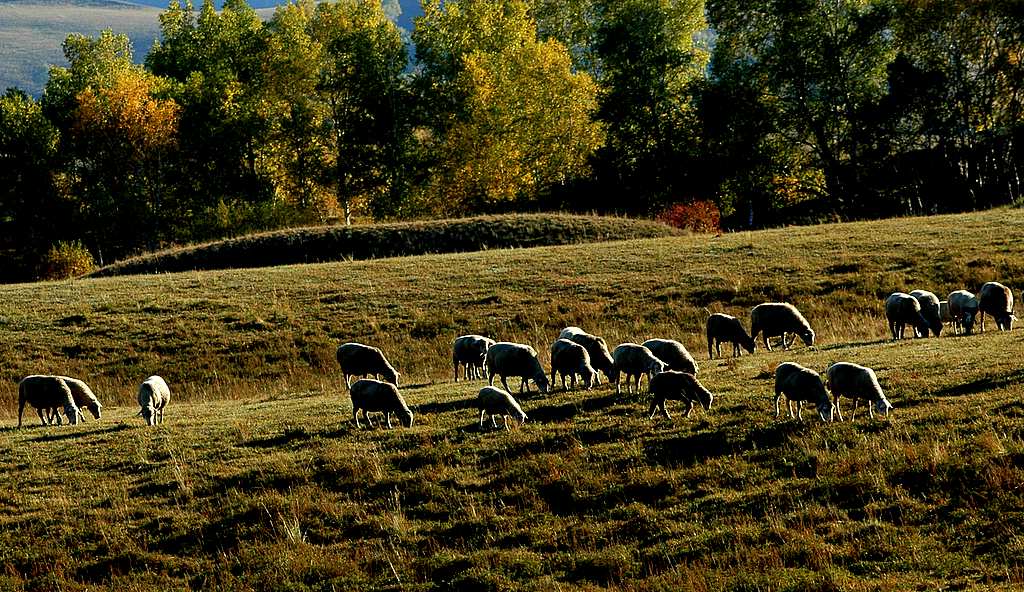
{"x": 33, "y": 214}
{"x": 817, "y": 66}
{"x": 505, "y": 115}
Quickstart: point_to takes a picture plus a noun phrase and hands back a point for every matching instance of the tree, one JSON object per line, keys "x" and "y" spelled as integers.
{"x": 504, "y": 114}
{"x": 32, "y": 214}
{"x": 818, "y": 65}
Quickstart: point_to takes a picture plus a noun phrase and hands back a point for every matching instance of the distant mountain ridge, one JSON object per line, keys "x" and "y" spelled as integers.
{"x": 32, "y": 31}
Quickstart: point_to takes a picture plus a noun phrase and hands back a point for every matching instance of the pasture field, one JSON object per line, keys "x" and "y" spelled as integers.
{"x": 260, "y": 481}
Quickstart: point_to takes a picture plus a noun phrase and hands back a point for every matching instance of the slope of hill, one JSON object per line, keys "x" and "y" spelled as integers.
{"x": 334, "y": 243}
{"x": 259, "y": 480}
{"x": 32, "y": 31}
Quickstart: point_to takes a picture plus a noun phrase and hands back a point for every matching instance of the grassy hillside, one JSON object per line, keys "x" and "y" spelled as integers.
{"x": 259, "y": 480}
{"x": 335, "y": 243}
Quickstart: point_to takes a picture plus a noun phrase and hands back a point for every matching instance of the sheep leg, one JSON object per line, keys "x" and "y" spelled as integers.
{"x": 639, "y": 377}
{"x": 689, "y": 408}
{"x": 854, "y": 412}
{"x": 41, "y": 418}
{"x": 572, "y": 380}
{"x": 871, "y": 410}
{"x": 839, "y": 411}
{"x": 387, "y": 416}
{"x": 494, "y": 423}
{"x": 767, "y": 345}
{"x": 653, "y": 410}
{"x": 504, "y": 383}
{"x": 785, "y": 344}
{"x": 735, "y": 350}
{"x": 355, "y": 416}
{"x": 800, "y": 410}
{"x": 778, "y": 396}
{"x": 482, "y": 412}
{"x": 348, "y": 382}
{"x": 711, "y": 355}
{"x": 456, "y": 364}
{"x": 553, "y": 376}
{"x": 506, "y": 422}
{"x": 524, "y": 386}
{"x": 369, "y": 420}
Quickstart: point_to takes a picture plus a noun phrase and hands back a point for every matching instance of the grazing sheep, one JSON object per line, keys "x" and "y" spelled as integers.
{"x": 723, "y": 327}
{"x": 154, "y": 395}
{"x": 506, "y": 359}
{"x": 673, "y": 353}
{"x": 600, "y": 358}
{"x": 84, "y": 399}
{"x": 570, "y": 358}
{"x": 470, "y": 351}
{"x": 902, "y": 309}
{"x": 773, "y": 319}
{"x": 679, "y": 386}
{"x": 44, "y": 393}
{"x": 858, "y": 383}
{"x": 494, "y": 401}
{"x": 801, "y": 385}
{"x": 358, "y": 360}
{"x": 371, "y": 395}
{"x": 997, "y": 300}
{"x": 634, "y": 360}
{"x": 931, "y": 309}
{"x": 963, "y": 307}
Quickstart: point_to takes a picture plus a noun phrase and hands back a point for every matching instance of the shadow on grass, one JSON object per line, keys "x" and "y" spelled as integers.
{"x": 565, "y": 411}
{"x": 78, "y": 434}
{"x": 445, "y": 406}
{"x": 286, "y": 437}
{"x": 981, "y": 385}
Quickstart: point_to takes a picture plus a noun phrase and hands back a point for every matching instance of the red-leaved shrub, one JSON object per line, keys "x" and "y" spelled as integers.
{"x": 698, "y": 216}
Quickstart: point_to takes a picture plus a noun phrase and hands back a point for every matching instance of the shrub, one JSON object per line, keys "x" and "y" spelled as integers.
{"x": 698, "y": 216}
{"x": 67, "y": 260}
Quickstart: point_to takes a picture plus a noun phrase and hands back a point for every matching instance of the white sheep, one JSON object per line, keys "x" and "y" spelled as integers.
{"x": 727, "y": 328}
{"x": 494, "y": 401}
{"x": 506, "y": 359}
{"x": 45, "y": 392}
{"x": 673, "y": 353}
{"x": 800, "y": 384}
{"x": 634, "y": 360}
{"x": 358, "y": 360}
{"x": 963, "y": 307}
{"x": 84, "y": 399}
{"x": 371, "y": 395}
{"x": 774, "y": 319}
{"x": 678, "y": 386}
{"x": 153, "y": 397}
{"x": 997, "y": 300}
{"x": 858, "y": 383}
{"x": 931, "y": 309}
{"x": 903, "y": 309}
{"x": 569, "y": 358}
{"x": 470, "y": 351}
{"x": 600, "y": 357}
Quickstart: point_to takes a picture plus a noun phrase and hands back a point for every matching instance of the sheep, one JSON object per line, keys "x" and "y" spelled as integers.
{"x": 997, "y": 300}
{"x": 634, "y": 360}
{"x": 494, "y": 401}
{"x": 723, "y": 327}
{"x": 901, "y": 309}
{"x": 673, "y": 353}
{"x": 856, "y": 382}
{"x": 931, "y": 309}
{"x": 600, "y": 358}
{"x": 84, "y": 399}
{"x": 801, "y": 384}
{"x": 570, "y": 358}
{"x": 506, "y": 359}
{"x": 679, "y": 386}
{"x": 153, "y": 396}
{"x": 372, "y": 395}
{"x": 470, "y": 351}
{"x": 358, "y": 360}
{"x": 45, "y": 392}
{"x": 963, "y": 307}
{"x": 773, "y": 319}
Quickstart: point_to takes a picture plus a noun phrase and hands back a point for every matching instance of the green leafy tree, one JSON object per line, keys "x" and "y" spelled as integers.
{"x": 32, "y": 211}
{"x": 815, "y": 67}
{"x": 506, "y": 118}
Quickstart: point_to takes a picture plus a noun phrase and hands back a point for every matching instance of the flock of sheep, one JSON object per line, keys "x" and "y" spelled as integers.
{"x": 669, "y": 367}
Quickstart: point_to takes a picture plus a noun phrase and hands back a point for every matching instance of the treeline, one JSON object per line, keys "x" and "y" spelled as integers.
{"x": 772, "y": 111}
